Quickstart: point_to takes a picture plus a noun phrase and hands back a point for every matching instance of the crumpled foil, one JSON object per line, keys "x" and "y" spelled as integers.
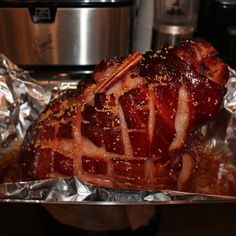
{"x": 22, "y": 99}
{"x": 230, "y": 97}
{"x": 72, "y": 190}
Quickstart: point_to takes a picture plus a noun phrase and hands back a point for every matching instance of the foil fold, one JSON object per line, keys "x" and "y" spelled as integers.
{"x": 21, "y": 101}
{"x": 72, "y": 190}
{"x": 230, "y": 97}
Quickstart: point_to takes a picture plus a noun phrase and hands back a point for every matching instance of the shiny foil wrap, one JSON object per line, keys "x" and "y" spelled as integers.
{"x": 73, "y": 191}
{"x": 22, "y": 99}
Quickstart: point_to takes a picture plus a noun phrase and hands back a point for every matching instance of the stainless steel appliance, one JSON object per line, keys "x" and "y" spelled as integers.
{"x": 76, "y": 34}
{"x": 173, "y": 20}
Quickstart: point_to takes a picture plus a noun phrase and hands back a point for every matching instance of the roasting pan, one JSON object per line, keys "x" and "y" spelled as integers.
{"x": 74, "y": 192}
{"x": 71, "y": 191}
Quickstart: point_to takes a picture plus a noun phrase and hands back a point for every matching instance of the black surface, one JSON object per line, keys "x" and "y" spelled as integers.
{"x": 52, "y": 227}
{"x": 171, "y": 220}
{"x": 217, "y": 24}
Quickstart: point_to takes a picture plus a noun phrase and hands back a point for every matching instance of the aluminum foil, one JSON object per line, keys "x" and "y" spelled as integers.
{"x": 230, "y": 97}
{"x": 22, "y": 99}
{"x": 73, "y": 191}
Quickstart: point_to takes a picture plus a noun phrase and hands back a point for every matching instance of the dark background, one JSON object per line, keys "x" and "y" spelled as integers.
{"x": 175, "y": 220}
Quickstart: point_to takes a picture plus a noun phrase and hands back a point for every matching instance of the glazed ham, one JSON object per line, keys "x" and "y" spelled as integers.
{"x": 132, "y": 126}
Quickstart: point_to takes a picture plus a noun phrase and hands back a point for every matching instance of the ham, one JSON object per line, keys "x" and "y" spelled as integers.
{"x": 132, "y": 125}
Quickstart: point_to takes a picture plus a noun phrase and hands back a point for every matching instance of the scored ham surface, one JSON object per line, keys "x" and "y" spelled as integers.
{"x": 131, "y": 127}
